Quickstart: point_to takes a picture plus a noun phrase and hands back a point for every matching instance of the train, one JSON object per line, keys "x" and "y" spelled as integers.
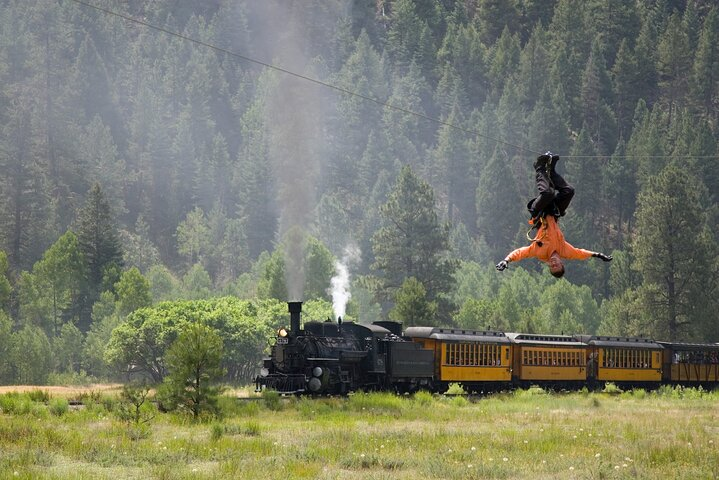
{"x": 337, "y": 358}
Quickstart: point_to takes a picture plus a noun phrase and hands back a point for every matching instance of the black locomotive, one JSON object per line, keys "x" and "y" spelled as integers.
{"x": 337, "y": 358}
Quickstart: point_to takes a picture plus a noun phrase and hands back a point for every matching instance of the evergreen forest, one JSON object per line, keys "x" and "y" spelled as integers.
{"x": 172, "y": 161}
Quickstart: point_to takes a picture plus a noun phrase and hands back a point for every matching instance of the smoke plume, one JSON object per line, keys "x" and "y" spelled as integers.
{"x": 341, "y": 281}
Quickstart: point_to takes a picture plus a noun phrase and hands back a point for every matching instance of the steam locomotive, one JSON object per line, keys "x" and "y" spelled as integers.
{"x": 326, "y": 358}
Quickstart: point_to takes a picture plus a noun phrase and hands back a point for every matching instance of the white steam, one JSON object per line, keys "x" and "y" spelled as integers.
{"x": 341, "y": 281}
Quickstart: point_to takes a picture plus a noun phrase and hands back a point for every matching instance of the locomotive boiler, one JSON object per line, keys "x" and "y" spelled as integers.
{"x": 337, "y": 358}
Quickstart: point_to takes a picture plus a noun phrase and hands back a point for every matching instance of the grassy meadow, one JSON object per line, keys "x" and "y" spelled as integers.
{"x": 670, "y": 433}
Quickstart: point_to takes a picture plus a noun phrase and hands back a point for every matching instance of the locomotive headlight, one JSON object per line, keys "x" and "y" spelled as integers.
{"x": 317, "y": 372}
{"x": 264, "y": 372}
{"x": 282, "y": 332}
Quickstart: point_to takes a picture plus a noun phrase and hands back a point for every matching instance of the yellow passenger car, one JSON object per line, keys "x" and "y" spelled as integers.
{"x": 480, "y": 361}
{"x": 550, "y": 361}
{"x": 625, "y": 361}
{"x": 691, "y": 364}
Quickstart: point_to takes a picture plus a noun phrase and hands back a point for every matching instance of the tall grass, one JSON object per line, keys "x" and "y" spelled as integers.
{"x": 668, "y": 433}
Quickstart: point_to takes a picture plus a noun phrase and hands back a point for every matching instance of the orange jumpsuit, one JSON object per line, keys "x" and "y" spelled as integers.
{"x": 549, "y": 239}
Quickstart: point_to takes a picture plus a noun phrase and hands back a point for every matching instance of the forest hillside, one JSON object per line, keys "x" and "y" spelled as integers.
{"x": 374, "y": 152}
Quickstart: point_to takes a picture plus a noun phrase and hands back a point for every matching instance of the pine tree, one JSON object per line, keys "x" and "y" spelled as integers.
{"x": 496, "y": 193}
{"x": 413, "y": 243}
{"x": 673, "y": 64}
{"x": 194, "y": 364}
{"x": 595, "y": 96}
{"x": 100, "y": 246}
{"x": 674, "y": 254}
{"x": 704, "y": 80}
{"x": 625, "y": 87}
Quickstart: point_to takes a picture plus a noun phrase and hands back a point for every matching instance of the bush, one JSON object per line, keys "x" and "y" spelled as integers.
{"x": 216, "y": 431}
{"x": 423, "y": 398}
{"x": 39, "y": 396}
{"x": 272, "y": 400}
{"x": 59, "y": 407}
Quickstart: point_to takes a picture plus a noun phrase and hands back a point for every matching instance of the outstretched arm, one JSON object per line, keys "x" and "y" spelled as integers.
{"x": 515, "y": 256}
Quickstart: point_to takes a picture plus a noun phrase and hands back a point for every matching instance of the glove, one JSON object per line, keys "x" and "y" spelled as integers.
{"x": 606, "y": 258}
{"x": 502, "y": 265}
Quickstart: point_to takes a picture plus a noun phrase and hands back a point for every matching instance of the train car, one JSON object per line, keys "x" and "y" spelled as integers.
{"x": 549, "y": 361}
{"x": 480, "y": 361}
{"x": 627, "y": 362}
{"x": 691, "y": 364}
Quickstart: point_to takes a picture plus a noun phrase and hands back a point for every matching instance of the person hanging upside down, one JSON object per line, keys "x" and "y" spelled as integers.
{"x": 549, "y": 245}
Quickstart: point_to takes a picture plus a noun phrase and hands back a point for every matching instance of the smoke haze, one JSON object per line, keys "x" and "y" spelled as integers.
{"x": 295, "y": 119}
{"x": 341, "y": 281}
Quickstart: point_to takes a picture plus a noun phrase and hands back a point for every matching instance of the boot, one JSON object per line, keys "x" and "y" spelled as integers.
{"x": 542, "y": 162}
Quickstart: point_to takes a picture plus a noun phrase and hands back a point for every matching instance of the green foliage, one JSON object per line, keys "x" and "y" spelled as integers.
{"x": 31, "y": 356}
{"x": 411, "y": 305}
{"x": 134, "y": 406}
{"x": 140, "y": 343}
{"x": 133, "y": 292}
{"x": 194, "y": 364}
{"x": 59, "y": 406}
{"x": 271, "y": 399}
{"x": 5, "y": 287}
{"x": 672, "y": 240}
{"x": 99, "y": 243}
{"x": 413, "y": 243}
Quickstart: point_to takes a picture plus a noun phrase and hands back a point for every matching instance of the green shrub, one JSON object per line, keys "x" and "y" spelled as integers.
{"x": 455, "y": 389}
{"x": 39, "y": 396}
{"x": 271, "y": 399}
{"x": 610, "y": 387}
{"x": 216, "y": 431}
{"x": 59, "y": 407}
{"x": 423, "y": 398}
{"x": 375, "y": 402}
{"x": 252, "y": 429}
{"x": 460, "y": 401}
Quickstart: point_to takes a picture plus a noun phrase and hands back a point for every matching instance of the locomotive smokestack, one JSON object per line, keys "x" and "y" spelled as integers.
{"x": 295, "y": 309}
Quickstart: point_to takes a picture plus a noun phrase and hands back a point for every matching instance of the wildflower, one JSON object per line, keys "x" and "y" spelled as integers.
{"x": 574, "y": 437}
{"x": 616, "y": 467}
{"x": 473, "y": 448}
{"x": 597, "y": 455}
{"x": 449, "y": 451}
{"x": 711, "y": 442}
{"x": 624, "y": 465}
{"x": 544, "y": 461}
{"x": 362, "y": 456}
{"x": 627, "y": 459}
{"x": 505, "y": 459}
{"x": 381, "y": 446}
{"x": 571, "y": 468}
{"x": 469, "y": 466}
{"x": 541, "y": 429}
